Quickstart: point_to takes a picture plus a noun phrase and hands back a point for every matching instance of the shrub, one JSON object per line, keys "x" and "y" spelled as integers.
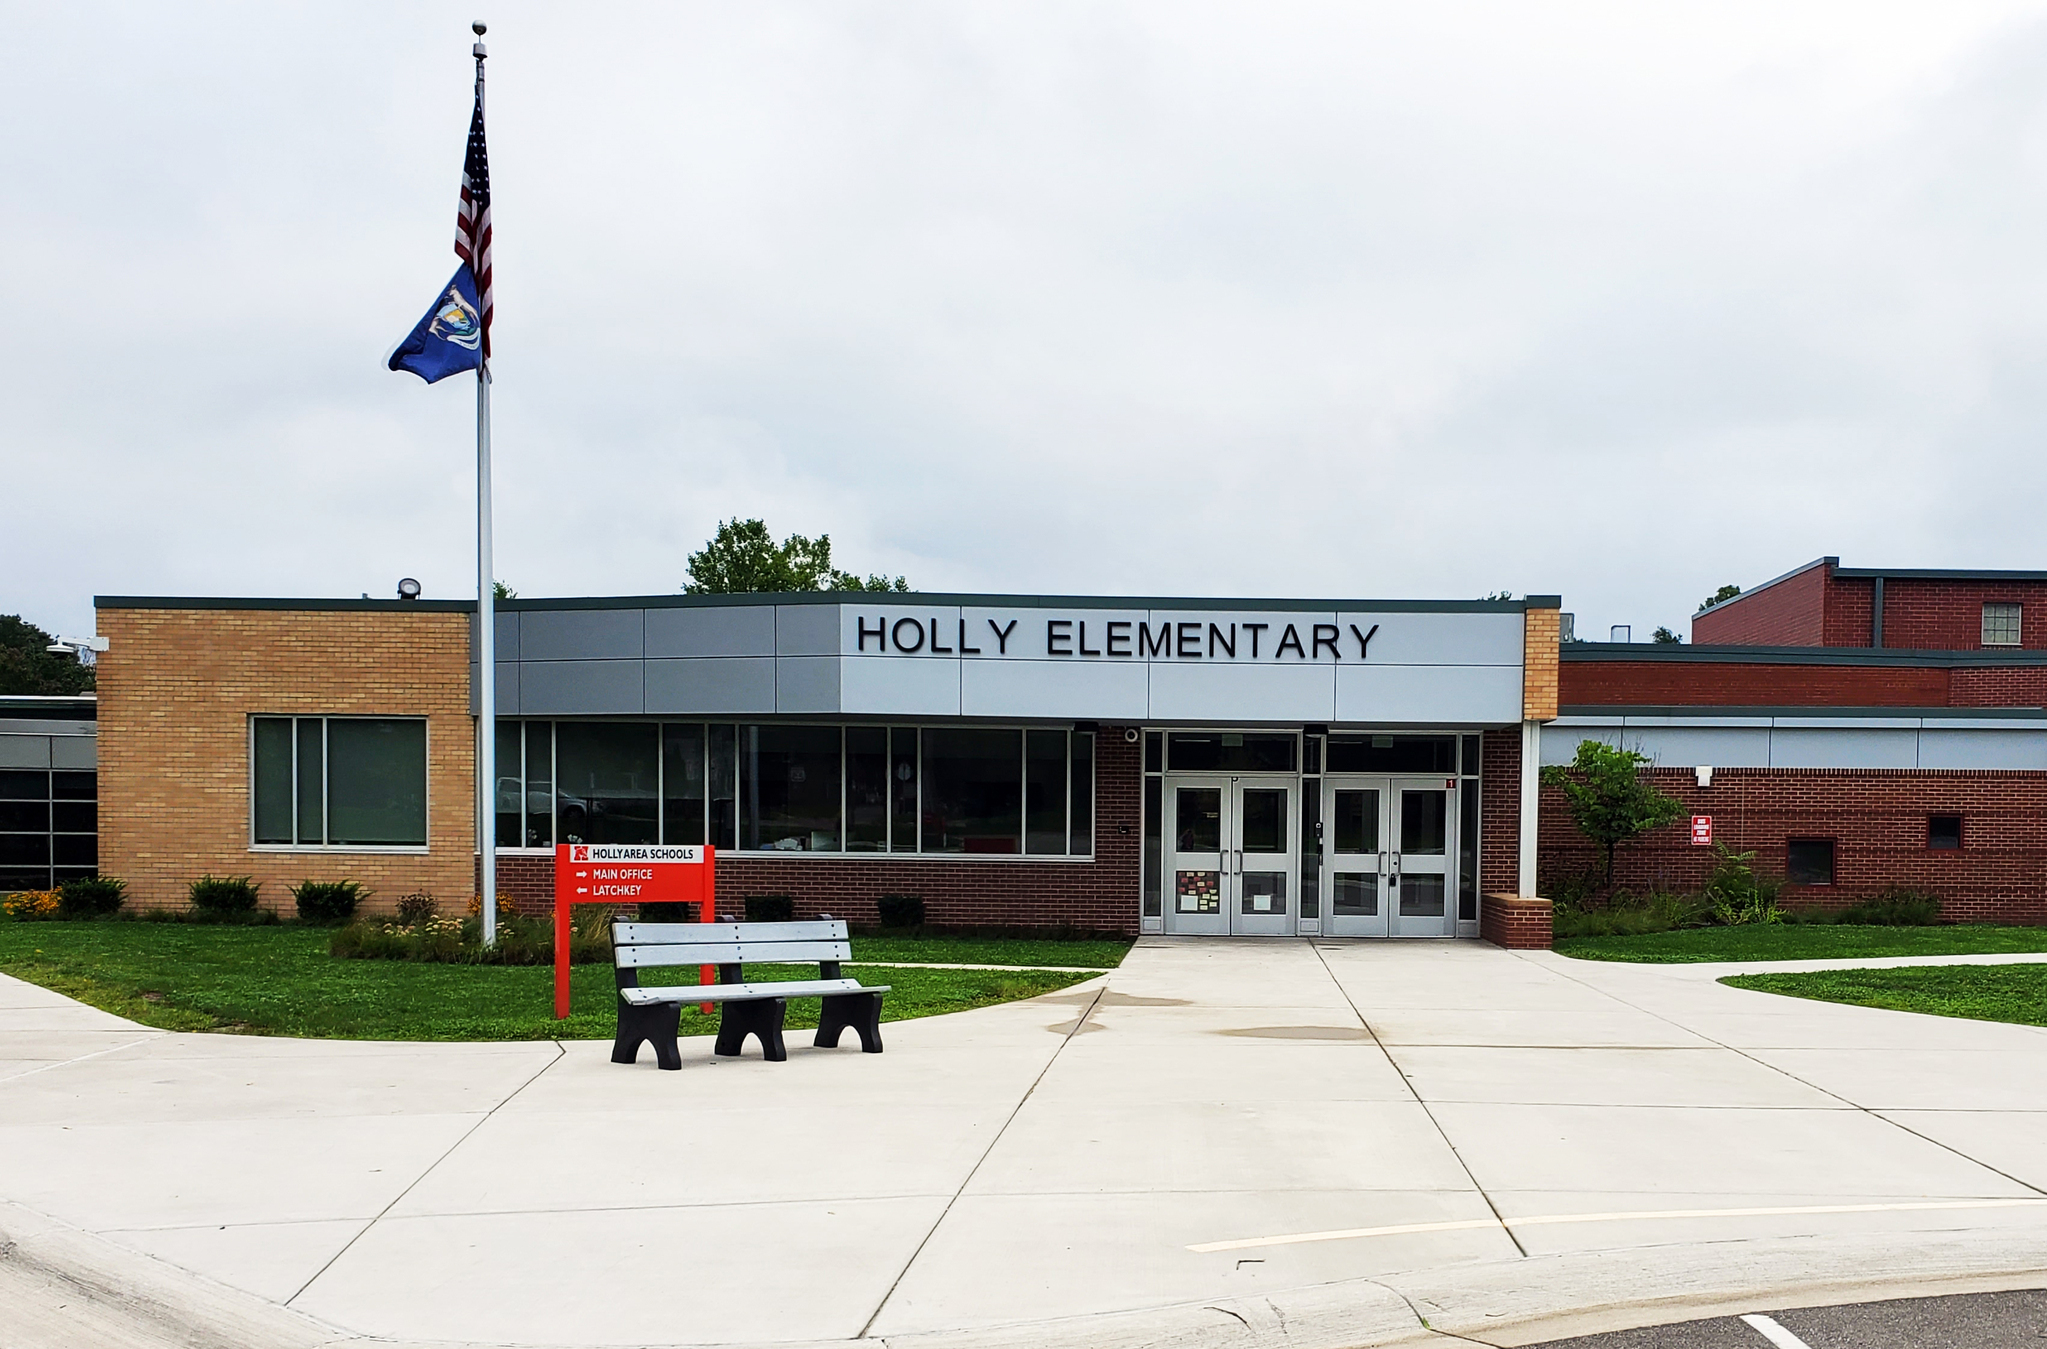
{"x": 224, "y": 897}
{"x": 770, "y": 908}
{"x": 1736, "y": 895}
{"x": 521, "y": 941}
{"x": 25, "y": 906}
{"x": 1629, "y": 915}
{"x": 417, "y": 907}
{"x": 1895, "y": 907}
{"x": 327, "y": 901}
{"x": 901, "y": 910}
{"x": 90, "y": 897}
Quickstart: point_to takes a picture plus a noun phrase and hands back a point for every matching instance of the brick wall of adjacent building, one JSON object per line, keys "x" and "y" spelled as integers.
{"x": 176, "y": 690}
{"x": 1876, "y": 817}
{"x": 1947, "y": 615}
{"x": 1789, "y": 613}
{"x": 1703, "y": 683}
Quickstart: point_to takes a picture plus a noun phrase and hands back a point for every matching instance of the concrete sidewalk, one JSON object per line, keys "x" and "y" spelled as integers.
{"x": 1348, "y": 1137}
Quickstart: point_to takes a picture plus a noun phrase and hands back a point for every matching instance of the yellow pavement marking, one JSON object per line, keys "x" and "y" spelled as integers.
{"x": 1473, "y": 1224}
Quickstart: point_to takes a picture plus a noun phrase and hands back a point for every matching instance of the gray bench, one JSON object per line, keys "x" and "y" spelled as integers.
{"x": 652, "y": 1015}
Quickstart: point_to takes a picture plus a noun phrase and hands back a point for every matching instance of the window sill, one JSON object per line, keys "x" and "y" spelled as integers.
{"x": 342, "y": 849}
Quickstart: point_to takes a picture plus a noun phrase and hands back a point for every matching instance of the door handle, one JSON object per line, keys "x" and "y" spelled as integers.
{"x": 1240, "y": 861}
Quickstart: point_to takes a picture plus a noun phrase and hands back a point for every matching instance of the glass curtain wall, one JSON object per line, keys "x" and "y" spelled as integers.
{"x": 791, "y": 787}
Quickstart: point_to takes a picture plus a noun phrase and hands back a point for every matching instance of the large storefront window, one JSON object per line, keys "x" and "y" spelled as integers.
{"x": 973, "y": 791}
{"x": 609, "y": 776}
{"x": 789, "y": 788}
{"x": 338, "y": 781}
{"x": 794, "y": 787}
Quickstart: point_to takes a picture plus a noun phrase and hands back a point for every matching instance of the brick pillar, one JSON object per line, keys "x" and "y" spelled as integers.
{"x": 1515, "y": 923}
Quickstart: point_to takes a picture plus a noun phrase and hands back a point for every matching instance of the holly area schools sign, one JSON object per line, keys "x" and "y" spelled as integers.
{"x": 627, "y": 873}
{"x": 630, "y": 873}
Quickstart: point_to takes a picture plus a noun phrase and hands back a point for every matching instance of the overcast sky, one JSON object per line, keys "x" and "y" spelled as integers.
{"x": 1418, "y": 300}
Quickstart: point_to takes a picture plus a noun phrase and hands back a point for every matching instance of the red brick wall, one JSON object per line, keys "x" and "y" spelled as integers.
{"x": 1948, "y": 615}
{"x": 1998, "y": 686}
{"x": 1848, "y": 608}
{"x": 1877, "y": 818}
{"x": 1101, "y": 895}
{"x": 1515, "y": 922}
{"x": 1499, "y": 811}
{"x": 1789, "y": 613}
{"x": 1618, "y": 683}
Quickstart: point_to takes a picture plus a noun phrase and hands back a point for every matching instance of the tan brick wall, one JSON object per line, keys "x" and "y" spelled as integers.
{"x": 176, "y": 690}
{"x": 1542, "y": 632}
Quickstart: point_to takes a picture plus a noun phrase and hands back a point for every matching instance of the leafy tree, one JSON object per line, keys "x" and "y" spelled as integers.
{"x": 1611, "y": 800}
{"x": 743, "y": 557}
{"x": 1727, "y": 592}
{"x": 500, "y": 591}
{"x": 26, "y": 666}
{"x": 1665, "y": 636}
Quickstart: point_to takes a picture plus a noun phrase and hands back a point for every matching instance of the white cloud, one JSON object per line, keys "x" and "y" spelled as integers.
{"x": 1298, "y": 299}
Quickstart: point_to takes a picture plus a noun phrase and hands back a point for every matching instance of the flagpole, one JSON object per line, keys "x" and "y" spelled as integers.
{"x": 486, "y": 623}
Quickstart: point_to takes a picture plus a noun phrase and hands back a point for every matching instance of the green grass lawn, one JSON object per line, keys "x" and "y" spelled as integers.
{"x": 1981, "y": 992}
{"x": 1798, "y": 941}
{"x": 281, "y": 981}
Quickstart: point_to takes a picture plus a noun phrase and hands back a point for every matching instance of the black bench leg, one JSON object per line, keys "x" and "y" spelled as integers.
{"x": 861, "y": 1012}
{"x": 761, "y": 1018}
{"x": 654, "y": 1023}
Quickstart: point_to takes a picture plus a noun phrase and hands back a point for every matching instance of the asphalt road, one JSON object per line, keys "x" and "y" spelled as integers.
{"x": 1968, "y": 1321}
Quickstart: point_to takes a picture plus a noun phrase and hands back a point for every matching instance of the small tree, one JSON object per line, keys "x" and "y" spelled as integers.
{"x": 1724, "y": 593}
{"x": 742, "y": 557}
{"x": 1611, "y": 800}
{"x": 26, "y": 667}
{"x": 1665, "y": 637}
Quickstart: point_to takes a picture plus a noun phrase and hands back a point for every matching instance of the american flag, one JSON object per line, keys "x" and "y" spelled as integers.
{"x": 472, "y": 221}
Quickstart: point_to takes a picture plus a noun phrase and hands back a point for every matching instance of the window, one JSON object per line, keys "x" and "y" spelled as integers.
{"x": 778, "y": 787}
{"x": 1217, "y": 752}
{"x": 973, "y": 791}
{"x": 1809, "y": 861}
{"x": 789, "y": 788}
{"x": 1944, "y": 832}
{"x": 338, "y": 781}
{"x": 48, "y": 824}
{"x": 2001, "y": 625}
{"x": 606, "y": 775}
{"x": 1392, "y": 754}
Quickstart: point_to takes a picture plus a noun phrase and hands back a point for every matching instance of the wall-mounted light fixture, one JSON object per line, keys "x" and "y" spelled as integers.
{"x": 1704, "y": 774}
{"x": 408, "y": 589}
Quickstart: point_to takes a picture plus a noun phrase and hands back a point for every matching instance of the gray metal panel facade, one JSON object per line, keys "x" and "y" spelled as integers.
{"x": 74, "y": 751}
{"x": 899, "y": 686}
{"x": 806, "y": 630}
{"x": 24, "y": 751}
{"x": 582, "y": 634}
{"x": 1440, "y": 694}
{"x": 1844, "y": 747}
{"x": 711, "y": 685}
{"x": 1945, "y": 748}
{"x": 807, "y": 684}
{"x": 1027, "y": 659}
{"x": 582, "y": 688}
{"x": 738, "y": 631}
{"x": 1227, "y": 693}
{"x": 1057, "y": 689}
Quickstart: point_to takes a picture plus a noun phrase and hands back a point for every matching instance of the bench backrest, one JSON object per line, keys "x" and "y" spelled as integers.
{"x": 639, "y": 945}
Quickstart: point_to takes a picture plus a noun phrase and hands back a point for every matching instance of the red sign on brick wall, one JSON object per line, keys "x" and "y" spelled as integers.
{"x": 1702, "y": 830}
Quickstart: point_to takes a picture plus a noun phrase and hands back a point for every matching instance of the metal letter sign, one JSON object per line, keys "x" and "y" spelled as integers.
{"x": 626, "y": 873}
{"x": 1702, "y": 830}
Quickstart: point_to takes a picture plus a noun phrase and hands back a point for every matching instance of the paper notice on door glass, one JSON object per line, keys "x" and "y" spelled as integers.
{"x": 1198, "y": 891}
{"x": 1261, "y": 903}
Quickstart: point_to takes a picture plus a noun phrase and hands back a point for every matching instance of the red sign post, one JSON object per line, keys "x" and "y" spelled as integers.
{"x": 1702, "y": 830}
{"x": 627, "y": 873}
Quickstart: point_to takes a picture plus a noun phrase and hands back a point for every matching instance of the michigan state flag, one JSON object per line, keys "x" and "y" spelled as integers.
{"x": 449, "y": 339}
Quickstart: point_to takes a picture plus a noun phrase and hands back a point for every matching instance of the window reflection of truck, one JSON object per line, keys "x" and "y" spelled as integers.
{"x": 540, "y": 802}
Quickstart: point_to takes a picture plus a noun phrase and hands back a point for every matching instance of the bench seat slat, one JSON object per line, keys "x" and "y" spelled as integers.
{"x": 732, "y": 953}
{"x": 643, "y": 934}
{"x": 688, "y": 993}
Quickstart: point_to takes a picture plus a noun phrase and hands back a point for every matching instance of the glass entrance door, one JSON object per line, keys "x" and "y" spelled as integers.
{"x": 1233, "y": 856}
{"x": 1389, "y": 854}
{"x": 1264, "y": 858}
